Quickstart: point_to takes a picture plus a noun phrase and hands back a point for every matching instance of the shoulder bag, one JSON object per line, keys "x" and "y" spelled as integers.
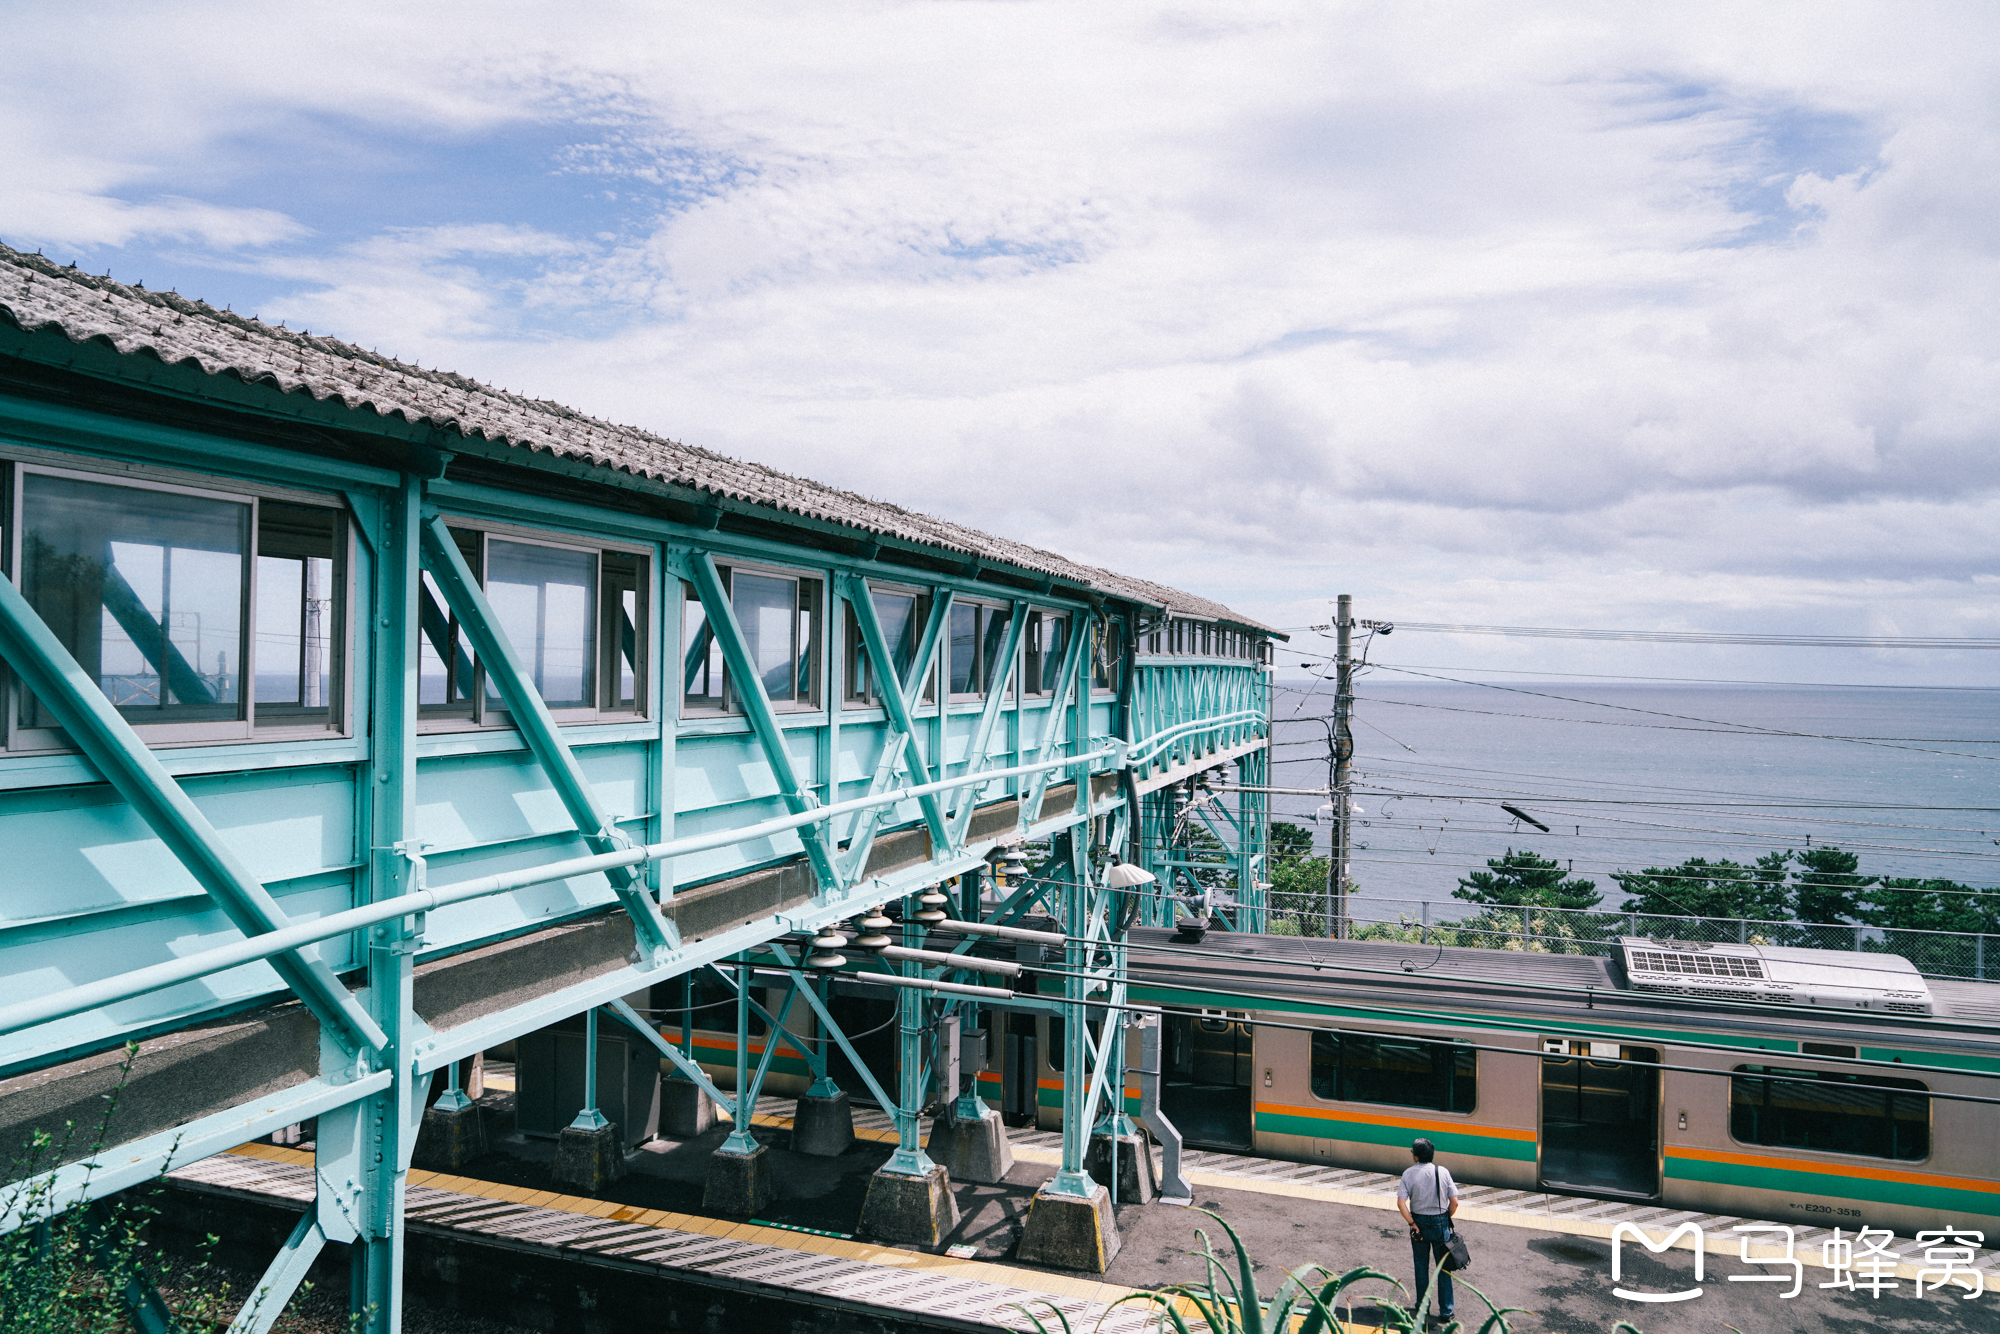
{"x": 1457, "y": 1255}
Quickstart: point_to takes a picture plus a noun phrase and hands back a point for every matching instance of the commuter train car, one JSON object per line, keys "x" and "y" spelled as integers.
{"x": 1745, "y": 1080}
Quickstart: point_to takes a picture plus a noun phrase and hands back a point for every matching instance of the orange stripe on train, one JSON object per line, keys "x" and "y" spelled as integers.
{"x": 1833, "y": 1169}
{"x": 1404, "y": 1122}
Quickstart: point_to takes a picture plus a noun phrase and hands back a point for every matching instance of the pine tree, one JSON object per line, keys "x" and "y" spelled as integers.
{"x": 1523, "y": 880}
{"x": 1828, "y": 887}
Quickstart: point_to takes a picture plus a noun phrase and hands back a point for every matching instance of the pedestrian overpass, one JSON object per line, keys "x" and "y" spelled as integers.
{"x": 360, "y": 718}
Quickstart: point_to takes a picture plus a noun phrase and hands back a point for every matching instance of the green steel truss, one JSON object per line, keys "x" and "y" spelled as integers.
{"x": 822, "y": 786}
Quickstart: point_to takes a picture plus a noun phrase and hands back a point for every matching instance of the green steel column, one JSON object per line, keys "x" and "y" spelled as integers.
{"x": 588, "y": 1117}
{"x": 395, "y": 868}
{"x": 969, "y": 1107}
{"x": 744, "y": 1107}
{"x": 912, "y": 1030}
{"x": 1071, "y": 1178}
{"x": 823, "y": 1085}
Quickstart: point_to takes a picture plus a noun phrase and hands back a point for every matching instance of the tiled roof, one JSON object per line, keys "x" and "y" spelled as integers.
{"x": 37, "y": 294}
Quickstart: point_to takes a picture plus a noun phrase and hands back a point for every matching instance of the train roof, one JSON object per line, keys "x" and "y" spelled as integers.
{"x": 1534, "y": 988}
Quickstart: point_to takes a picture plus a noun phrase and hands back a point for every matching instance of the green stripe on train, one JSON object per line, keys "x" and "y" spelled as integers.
{"x": 1948, "y": 1201}
{"x": 1052, "y": 1097}
{"x": 1468, "y": 1141}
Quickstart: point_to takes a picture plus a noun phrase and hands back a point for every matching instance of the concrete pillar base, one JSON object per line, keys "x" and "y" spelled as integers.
{"x": 738, "y": 1183}
{"x": 589, "y": 1160}
{"x": 823, "y": 1127}
{"x": 916, "y": 1210}
{"x": 686, "y": 1110}
{"x": 1070, "y": 1231}
{"x": 1138, "y": 1177}
{"x": 973, "y": 1150}
{"x": 447, "y": 1141}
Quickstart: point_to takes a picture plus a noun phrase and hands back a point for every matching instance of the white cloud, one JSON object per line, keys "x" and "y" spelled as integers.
{"x": 1577, "y": 314}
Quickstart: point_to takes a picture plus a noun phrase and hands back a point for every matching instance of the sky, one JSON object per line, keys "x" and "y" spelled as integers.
{"x": 1665, "y": 316}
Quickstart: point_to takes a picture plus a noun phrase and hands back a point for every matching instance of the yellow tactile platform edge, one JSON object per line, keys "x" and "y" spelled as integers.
{"x": 891, "y": 1257}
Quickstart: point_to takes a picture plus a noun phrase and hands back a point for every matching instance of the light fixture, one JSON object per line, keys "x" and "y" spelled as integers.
{"x": 1127, "y": 876}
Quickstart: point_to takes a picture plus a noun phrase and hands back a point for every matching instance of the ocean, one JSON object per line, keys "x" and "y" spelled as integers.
{"x": 1633, "y": 776}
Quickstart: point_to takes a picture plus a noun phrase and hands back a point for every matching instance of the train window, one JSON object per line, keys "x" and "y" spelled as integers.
{"x": 1059, "y": 1041}
{"x": 1830, "y": 1112}
{"x": 1397, "y": 1071}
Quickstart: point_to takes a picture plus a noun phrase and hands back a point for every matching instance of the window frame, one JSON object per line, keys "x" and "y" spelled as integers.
{"x": 17, "y": 739}
{"x": 1767, "y": 1075}
{"x": 815, "y": 640}
{"x": 858, "y": 675}
{"x": 1109, "y": 631}
{"x": 982, "y": 668}
{"x": 1031, "y": 644}
{"x": 488, "y": 713}
{"x": 1341, "y": 1036}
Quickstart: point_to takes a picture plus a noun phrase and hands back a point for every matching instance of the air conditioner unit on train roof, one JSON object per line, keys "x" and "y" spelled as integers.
{"x": 1830, "y": 979}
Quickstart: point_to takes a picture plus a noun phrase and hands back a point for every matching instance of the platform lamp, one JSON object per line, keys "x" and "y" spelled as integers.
{"x": 1127, "y": 879}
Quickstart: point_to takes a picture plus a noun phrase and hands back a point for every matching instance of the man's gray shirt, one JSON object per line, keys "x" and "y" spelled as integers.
{"x": 1428, "y": 1187}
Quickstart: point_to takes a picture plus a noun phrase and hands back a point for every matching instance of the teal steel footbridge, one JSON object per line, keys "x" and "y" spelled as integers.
{"x": 360, "y": 718}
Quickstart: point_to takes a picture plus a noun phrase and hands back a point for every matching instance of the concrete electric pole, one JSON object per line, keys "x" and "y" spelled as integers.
{"x": 1343, "y": 755}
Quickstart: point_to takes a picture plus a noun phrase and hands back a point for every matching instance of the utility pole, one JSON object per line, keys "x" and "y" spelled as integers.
{"x": 1343, "y": 755}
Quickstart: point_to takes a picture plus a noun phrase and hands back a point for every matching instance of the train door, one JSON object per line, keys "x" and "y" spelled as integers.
{"x": 1600, "y": 1118}
{"x": 1205, "y": 1087}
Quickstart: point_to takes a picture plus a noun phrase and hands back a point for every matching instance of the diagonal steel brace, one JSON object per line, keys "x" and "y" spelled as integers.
{"x": 749, "y": 692}
{"x": 538, "y": 728}
{"x": 109, "y": 742}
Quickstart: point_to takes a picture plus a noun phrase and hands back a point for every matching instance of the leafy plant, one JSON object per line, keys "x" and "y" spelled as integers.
{"x": 87, "y": 1269}
{"x": 1228, "y": 1302}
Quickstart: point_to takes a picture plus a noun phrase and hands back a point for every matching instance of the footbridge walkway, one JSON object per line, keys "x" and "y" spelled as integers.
{"x": 360, "y": 718}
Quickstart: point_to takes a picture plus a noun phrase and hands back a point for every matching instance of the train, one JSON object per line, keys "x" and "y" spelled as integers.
{"x": 1805, "y": 1086}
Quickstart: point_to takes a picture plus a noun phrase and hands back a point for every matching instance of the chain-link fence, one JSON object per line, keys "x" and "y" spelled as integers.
{"x": 1573, "y": 931}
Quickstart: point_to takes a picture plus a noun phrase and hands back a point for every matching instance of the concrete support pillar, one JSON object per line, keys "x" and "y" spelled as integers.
{"x": 823, "y": 1126}
{"x": 1138, "y": 1178}
{"x": 738, "y": 1183}
{"x": 972, "y": 1148}
{"x": 912, "y": 1209}
{"x": 686, "y": 1110}
{"x": 1070, "y": 1231}
{"x": 588, "y": 1158}
{"x": 453, "y": 1132}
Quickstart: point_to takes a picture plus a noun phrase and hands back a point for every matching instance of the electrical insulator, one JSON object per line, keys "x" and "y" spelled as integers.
{"x": 826, "y": 954}
{"x": 930, "y": 907}
{"x": 874, "y": 931}
{"x": 1014, "y": 865}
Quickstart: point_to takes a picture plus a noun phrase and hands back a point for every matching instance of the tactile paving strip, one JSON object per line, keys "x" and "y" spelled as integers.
{"x": 942, "y": 1291}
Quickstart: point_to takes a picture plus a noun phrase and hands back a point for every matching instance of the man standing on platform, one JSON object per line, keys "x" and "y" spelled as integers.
{"x": 1428, "y": 1198}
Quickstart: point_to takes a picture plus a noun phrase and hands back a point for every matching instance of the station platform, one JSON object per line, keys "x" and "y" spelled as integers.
{"x": 1547, "y": 1252}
